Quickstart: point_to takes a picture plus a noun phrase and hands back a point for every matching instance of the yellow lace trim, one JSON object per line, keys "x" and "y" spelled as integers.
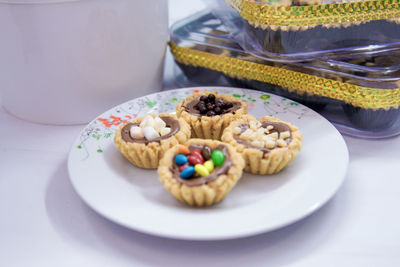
{"x": 340, "y": 13}
{"x": 358, "y": 96}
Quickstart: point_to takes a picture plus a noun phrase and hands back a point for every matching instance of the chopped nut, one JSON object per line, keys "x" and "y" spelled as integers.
{"x": 260, "y": 131}
{"x": 273, "y": 135}
{"x": 257, "y": 143}
{"x": 253, "y": 125}
{"x": 266, "y": 131}
{"x": 270, "y": 144}
{"x": 253, "y": 136}
{"x": 237, "y": 130}
{"x": 284, "y": 135}
{"x": 266, "y": 138}
{"x": 247, "y": 135}
{"x": 258, "y": 136}
{"x": 281, "y": 143}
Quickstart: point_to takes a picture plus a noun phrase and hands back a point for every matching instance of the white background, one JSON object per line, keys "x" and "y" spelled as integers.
{"x": 44, "y": 223}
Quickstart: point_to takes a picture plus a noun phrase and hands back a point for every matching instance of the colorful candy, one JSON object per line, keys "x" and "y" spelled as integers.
{"x": 201, "y": 170}
{"x": 193, "y": 162}
{"x": 195, "y": 157}
{"x": 209, "y": 164}
{"x": 206, "y": 152}
{"x": 218, "y": 157}
{"x": 197, "y": 153}
{"x": 181, "y": 159}
{"x": 183, "y": 150}
{"x": 187, "y": 172}
{"x": 182, "y": 167}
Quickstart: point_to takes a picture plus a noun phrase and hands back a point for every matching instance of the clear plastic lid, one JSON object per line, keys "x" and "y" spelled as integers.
{"x": 205, "y": 32}
{"x": 305, "y": 30}
{"x": 353, "y": 91}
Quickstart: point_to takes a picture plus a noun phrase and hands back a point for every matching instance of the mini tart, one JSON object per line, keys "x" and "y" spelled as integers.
{"x": 263, "y": 160}
{"x": 201, "y": 192}
{"x": 209, "y": 127}
{"x": 147, "y": 154}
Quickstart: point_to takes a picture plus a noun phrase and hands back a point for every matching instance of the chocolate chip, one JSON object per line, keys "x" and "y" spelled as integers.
{"x": 200, "y": 105}
{"x": 211, "y": 113}
{"x": 203, "y": 110}
{"x": 210, "y": 106}
{"x": 211, "y": 98}
{"x": 219, "y": 102}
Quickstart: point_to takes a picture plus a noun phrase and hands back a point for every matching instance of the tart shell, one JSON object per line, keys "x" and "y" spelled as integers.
{"x": 209, "y": 127}
{"x": 148, "y": 155}
{"x": 257, "y": 162}
{"x": 206, "y": 194}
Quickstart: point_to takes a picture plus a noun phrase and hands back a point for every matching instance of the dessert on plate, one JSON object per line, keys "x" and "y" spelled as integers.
{"x": 201, "y": 172}
{"x": 144, "y": 141}
{"x": 209, "y": 113}
{"x": 267, "y": 145}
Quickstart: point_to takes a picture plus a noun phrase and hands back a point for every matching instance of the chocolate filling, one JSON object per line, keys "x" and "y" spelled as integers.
{"x": 278, "y": 127}
{"x": 169, "y": 121}
{"x": 198, "y": 180}
{"x": 191, "y": 107}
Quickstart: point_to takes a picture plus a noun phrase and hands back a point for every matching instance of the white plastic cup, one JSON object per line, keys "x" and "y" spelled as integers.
{"x": 64, "y": 62}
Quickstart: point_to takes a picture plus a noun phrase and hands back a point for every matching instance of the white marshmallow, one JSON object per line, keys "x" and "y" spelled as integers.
{"x": 136, "y": 132}
{"x": 165, "y": 130}
{"x": 147, "y": 121}
{"x": 159, "y": 124}
{"x": 149, "y": 133}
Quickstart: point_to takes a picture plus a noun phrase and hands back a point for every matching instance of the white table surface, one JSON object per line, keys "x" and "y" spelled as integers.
{"x": 43, "y": 221}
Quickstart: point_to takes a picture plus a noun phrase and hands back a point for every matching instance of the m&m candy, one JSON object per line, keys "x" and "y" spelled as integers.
{"x": 206, "y": 152}
{"x": 181, "y": 159}
{"x": 218, "y": 157}
{"x": 194, "y": 159}
{"x": 209, "y": 164}
{"x": 182, "y": 149}
{"x": 201, "y": 170}
{"x": 187, "y": 172}
{"x": 182, "y": 167}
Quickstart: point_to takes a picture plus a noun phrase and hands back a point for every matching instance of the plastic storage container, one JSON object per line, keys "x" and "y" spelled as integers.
{"x": 361, "y": 99}
{"x": 298, "y": 30}
{"x": 66, "y": 61}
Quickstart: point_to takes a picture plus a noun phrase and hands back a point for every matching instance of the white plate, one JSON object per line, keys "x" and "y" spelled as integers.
{"x": 134, "y": 197}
